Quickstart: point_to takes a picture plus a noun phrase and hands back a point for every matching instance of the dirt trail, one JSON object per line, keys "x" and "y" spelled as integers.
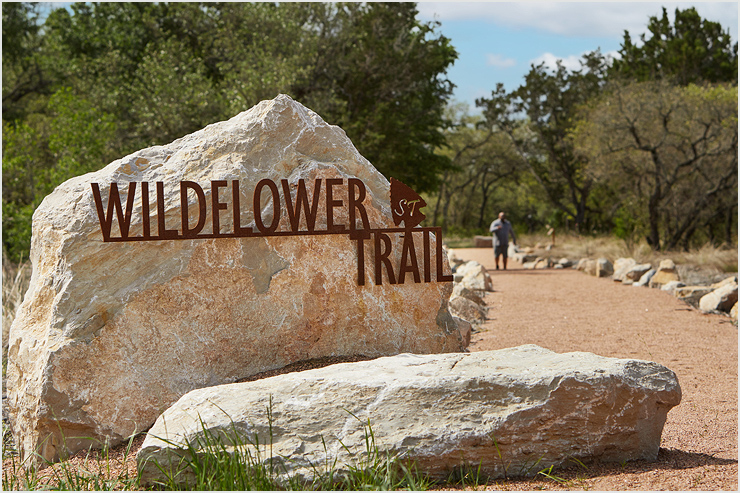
{"x": 566, "y": 310}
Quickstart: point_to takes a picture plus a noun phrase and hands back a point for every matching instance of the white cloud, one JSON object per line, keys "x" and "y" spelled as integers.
{"x": 572, "y": 62}
{"x": 587, "y": 19}
{"x": 499, "y": 61}
{"x": 612, "y": 55}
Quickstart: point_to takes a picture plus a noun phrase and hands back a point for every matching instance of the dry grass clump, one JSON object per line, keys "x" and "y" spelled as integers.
{"x": 710, "y": 260}
{"x": 87, "y": 470}
{"x": 16, "y": 278}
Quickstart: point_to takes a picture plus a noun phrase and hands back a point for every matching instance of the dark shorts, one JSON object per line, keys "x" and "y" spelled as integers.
{"x": 501, "y": 250}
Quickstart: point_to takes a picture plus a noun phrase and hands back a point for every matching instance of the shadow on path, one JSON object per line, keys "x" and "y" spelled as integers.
{"x": 668, "y": 460}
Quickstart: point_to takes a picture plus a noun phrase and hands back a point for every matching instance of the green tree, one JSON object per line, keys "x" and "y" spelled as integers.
{"x": 72, "y": 140}
{"x": 380, "y": 75}
{"x": 669, "y": 154}
{"x": 549, "y": 100}
{"x": 24, "y": 75}
{"x": 124, "y": 76}
{"x": 692, "y": 50}
{"x": 485, "y": 166}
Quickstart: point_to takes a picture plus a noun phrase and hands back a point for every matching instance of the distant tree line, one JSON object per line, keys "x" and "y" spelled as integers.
{"x": 644, "y": 146}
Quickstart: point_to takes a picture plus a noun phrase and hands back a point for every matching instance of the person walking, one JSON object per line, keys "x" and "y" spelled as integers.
{"x": 501, "y": 229}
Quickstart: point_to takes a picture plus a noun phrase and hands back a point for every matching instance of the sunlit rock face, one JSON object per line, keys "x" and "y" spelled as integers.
{"x": 443, "y": 413}
{"x": 111, "y": 333}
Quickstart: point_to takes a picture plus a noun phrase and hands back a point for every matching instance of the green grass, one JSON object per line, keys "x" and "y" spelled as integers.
{"x": 94, "y": 471}
{"x": 227, "y": 460}
{"x": 220, "y": 461}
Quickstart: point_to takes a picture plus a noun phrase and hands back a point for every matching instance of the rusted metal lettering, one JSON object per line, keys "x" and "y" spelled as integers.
{"x": 302, "y": 207}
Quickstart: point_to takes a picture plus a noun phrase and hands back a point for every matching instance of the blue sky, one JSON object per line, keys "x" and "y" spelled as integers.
{"x": 498, "y": 41}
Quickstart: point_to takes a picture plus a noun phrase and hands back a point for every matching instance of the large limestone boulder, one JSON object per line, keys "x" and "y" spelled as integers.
{"x": 604, "y": 267}
{"x": 474, "y": 276}
{"x": 441, "y": 411}
{"x": 665, "y": 273}
{"x": 721, "y": 299}
{"x": 110, "y": 334}
{"x": 645, "y": 278}
{"x": 621, "y": 267}
{"x": 692, "y": 294}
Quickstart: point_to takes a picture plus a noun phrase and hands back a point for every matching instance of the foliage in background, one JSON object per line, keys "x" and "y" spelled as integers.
{"x": 671, "y": 152}
{"x": 642, "y": 147}
{"x": 549, "y": 100}
{"x": 483, "y": 161}
{"x": 98, "y": 81}
{"x": 691, "y": 51}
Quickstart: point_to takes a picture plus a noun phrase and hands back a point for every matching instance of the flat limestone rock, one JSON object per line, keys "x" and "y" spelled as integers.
{"x": 721, "y": 299}
{"x": 110, "y": 334}
{"x": 665, "y": 273}
{"x": 692, "y": 294}
{"x": 621, "y": 267}
{"x": 468, "y": 310}
{"x": 442, "y": 412}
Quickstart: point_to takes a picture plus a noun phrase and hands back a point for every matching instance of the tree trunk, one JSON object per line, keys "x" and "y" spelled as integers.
{"x": 730, "y": 238}
{"x": 653, "y": 237}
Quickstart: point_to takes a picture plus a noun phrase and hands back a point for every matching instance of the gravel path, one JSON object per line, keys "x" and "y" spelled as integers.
{"x": 566, "y": 310}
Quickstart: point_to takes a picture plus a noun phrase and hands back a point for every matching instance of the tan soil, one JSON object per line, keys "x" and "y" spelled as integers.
{"x": 566, "y": 310}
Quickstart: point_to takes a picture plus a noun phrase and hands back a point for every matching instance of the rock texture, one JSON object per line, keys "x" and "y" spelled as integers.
{"x": 636, "y": 272}
{"x": 565, "y": 263}
{"x": 474, "y": 295}
{"x": 584, "y": 264}
{"x": 621, "y": 267}
{"x": 692, "y": 294}
{"x": 441, "y": 411}
{"x": 474, "y": 276}
{"x": 725, "y": 281}
{"x": 466, "y": 330}
{"x": 604, "y": 268}
{"x": 645, "y": 278}
{"x": 111, "y": 334}
{"x": 672, "y": 286}
{"x": 665, "y": 273}
{"x": 468, "y": 310}
{"x": 721, "y": 299}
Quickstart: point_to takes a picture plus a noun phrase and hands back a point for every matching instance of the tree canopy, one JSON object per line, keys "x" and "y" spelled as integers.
{"x": 97, "y": 81}
{"x": 669, "y": 152}
{"x": 549, "y": 99}
{"x": 692, "y": 50}
{"x": 643, "y": 146}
